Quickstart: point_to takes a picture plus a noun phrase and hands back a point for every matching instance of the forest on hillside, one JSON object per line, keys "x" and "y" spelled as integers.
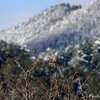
{"x": 71, "y": 73}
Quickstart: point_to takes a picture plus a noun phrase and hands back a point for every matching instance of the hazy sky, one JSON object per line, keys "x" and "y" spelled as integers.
{"x": 13, "y": 12}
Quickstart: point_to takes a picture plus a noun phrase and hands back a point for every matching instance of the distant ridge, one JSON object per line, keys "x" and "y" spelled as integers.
{"x": 56, "y": 27}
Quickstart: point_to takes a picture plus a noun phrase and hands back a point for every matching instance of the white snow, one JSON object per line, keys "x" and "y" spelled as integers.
{"x": 55, "y": 27}
{"x": 97, "y": 42}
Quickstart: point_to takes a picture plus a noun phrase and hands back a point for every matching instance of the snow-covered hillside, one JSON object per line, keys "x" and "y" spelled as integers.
{"x": 56, "y": 27}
